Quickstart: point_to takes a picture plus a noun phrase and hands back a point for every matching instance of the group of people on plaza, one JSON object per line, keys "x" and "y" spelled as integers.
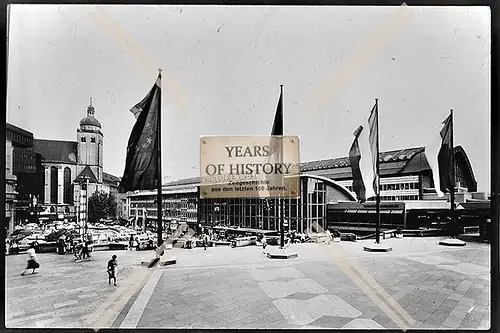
{"x": 291, "y": 237}
{"x": 205, "y": 238}
{"x": 79, "y": 246}
{"x": 295, "y": 237}
{"x": 33, "y": 264}
{"x": 135, "y": 242}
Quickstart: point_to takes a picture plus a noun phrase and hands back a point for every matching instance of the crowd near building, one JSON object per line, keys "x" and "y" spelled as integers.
{"x": 48, "y": 180}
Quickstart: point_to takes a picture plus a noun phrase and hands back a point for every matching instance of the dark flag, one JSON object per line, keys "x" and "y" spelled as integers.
{"x": 374, "y": 145}
{"x": 354, "y": 158}
{"x": 141, "y": 171}
{"x": 276, "y": 144}
{"x": 278, "y": 117}
{"x": 445, "y": 158}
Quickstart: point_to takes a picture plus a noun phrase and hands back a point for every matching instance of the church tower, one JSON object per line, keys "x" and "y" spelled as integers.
{"x": 90, "y": 144}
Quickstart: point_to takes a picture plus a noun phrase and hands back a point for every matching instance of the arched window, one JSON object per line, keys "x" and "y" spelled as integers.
{"x": 53, "y": 185}
{"x": 67, "y": 186}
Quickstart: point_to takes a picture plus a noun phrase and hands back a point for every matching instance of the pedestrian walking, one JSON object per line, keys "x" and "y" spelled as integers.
{"x": 77, "y": 249}
{"x": 14, "y": 249}
{"x": 111, "y": 269}
{"x": 264, "y": 243}
{"x": 60, "y": 245}
{"x": 32, "y": 263}
{"x": 328, "y": 237}
{"x": 205, "y": 241}
{"x": 85, "y": 249}
{"x": 131, "y": 242}
{"x": 69, "y": 245}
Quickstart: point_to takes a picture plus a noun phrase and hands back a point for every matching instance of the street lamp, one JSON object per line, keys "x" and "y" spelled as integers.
{"x": 86, "y": 188}
{"x": 86, "y": 205}
{"x": 35, "y": 202}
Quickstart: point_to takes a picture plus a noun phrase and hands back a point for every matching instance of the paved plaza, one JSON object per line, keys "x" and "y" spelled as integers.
{"x": 418, "y": 285}
{"x": 69, "y": 294}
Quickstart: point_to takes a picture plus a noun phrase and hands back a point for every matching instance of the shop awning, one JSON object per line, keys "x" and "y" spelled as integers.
{"x": 351, "y": 211}
{"x": 397, "y": 211}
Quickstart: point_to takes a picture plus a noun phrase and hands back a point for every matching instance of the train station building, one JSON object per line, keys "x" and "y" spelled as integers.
{"x": 326, "y": 199}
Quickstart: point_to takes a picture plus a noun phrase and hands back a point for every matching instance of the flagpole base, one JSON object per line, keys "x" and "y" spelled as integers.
{"x": 281, "y": 253}
{"x": 377, "y": 248}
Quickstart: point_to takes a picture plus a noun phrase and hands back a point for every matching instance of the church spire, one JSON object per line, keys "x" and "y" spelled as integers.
{"x": 90, "y": 109}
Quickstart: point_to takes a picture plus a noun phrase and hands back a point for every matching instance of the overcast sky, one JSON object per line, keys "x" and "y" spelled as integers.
{"x": 223, "y": 67}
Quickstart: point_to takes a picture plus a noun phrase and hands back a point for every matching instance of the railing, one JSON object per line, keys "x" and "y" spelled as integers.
{"x": 362, "y": 225}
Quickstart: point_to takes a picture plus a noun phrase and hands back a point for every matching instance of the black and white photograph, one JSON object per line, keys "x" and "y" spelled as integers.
{"x": 248, "y": 166}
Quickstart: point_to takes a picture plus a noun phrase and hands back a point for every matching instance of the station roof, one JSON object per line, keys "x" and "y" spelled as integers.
{"x": 397, "y": 157}
{"x": 391, "y": 162}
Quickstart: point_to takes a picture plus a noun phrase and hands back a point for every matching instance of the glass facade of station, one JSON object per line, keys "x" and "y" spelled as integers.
{"x": 300, "y": 214}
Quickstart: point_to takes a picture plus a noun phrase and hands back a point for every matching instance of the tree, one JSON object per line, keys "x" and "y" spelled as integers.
{"x": 101, "y": 205}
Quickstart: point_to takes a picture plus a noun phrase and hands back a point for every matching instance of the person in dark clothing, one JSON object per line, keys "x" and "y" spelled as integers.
{"x": 205, "y": 241}
{"x": 61, "y": 246}
{"x": 131, "y": 242}
{"x": 32, "y": 262}
{"x": 111, "y": 269}
{"x": 85, "y": 250}
{"x": 77, "y": 249}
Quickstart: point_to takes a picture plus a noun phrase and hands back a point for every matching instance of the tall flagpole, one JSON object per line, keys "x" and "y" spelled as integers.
{"x": 158, "y": 168}
{"x": 282, "y": 212}
{"x": 452, "y": 190}
{"x": 377, "y": 232}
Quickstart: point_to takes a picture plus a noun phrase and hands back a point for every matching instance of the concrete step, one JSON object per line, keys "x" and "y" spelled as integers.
{"x": 149, "y": 260}
{"x": 167, "y": 260}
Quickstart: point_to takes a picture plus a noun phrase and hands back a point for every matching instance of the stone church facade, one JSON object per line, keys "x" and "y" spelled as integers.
{"x": 69, "y": 166}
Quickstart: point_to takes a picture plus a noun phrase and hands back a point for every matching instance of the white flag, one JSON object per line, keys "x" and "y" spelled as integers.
{"x": 366, "y": 162}
{"x": 432, "y": 152}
